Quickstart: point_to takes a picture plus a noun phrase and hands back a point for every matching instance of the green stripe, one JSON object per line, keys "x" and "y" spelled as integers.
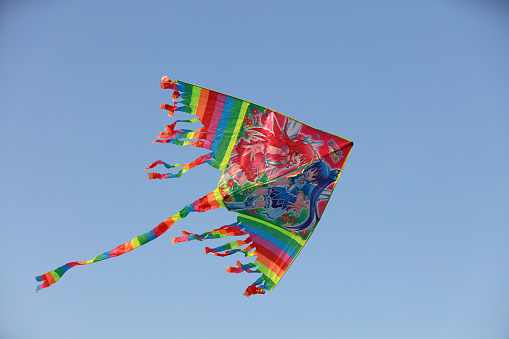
{"x": 142, "y": 239}
{"x": 59, "y": 271}
{"x": 188, "y": 93}
{"x": 231, "y": 134}
{"x": 282, "y": 234}
{"x": 195, "y": 99}
{"x": 55, "y": 275}
{"x": 271, "y": 279}
{"x": 228, "y": 246}
{"x": 191, "y": 98}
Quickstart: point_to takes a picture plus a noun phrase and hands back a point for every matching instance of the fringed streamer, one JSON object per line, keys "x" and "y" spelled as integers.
{"x": 158, "y": 162}
{"x": 171, "y": 109}
{"x": 229, "y": 248}
{"x": 274, "y": 249}
{"x": 221, "y": 232}
{"x": 212, "y": 200}
{"x": 171, "y": 132}
{"x": 243, "y": 268}
{"x": 166, "y": 83}
{"x": 175, "y": 95}
{"x": 220, "y": 115}
{"x": 247, "y": 252}
{"x": 176, "y": 141}
{"x": 253, "y": 289}
{"x": 186, "y": 167}
{"x": 234, "y": 229}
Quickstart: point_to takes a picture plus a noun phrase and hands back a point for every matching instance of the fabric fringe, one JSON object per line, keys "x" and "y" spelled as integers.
{"x": 235, "y": 229}
{"x": 243, "y": 268}
{"x": 207, "y": 158}
{"x": 181, "y": 137}
{"x": 221, "y": 232}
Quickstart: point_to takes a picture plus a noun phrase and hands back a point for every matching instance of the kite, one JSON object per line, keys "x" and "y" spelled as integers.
{"x": 277, "y": 174}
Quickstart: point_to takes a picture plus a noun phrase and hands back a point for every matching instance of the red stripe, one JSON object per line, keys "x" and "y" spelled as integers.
{"x": 209, "y": 110}
{"x": 216, "y": 116}
{"x": 271, "y": 260}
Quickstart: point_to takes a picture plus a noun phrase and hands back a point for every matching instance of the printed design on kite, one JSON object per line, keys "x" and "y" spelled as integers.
{"x": 267, "y": 147}
{"x": 293, "y": 197}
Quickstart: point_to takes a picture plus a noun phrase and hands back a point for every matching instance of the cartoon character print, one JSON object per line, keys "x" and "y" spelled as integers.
{"x": 293, "y": 194}
{"x": 269, "y": 149}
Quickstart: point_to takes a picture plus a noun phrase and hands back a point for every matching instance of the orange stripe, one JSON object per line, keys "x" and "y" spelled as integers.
{"x": 269, "y": 264}
{"x": 202, "y": 103}
{"x": 209, "y": 110}
{"x": 128, "y": 247}
{"x": 49, "y": 278}
{"x": 213, "y": 201}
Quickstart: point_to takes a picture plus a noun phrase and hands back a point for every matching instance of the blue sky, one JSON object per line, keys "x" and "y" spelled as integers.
{"x": 421, "y": 87}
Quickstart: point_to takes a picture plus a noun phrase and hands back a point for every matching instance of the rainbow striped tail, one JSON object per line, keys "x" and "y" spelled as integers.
{"x": 212, "y": 200}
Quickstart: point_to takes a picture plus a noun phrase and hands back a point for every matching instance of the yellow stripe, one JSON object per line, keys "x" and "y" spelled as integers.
{"x": 219, "y": 197}
{"x": 55, "y": 275}
{"x": 195, "y": 97}
{"x": 271, "y": 275}
{"x": 135, "y": 243}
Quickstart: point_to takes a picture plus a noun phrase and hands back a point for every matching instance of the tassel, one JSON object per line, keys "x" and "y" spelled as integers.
{"x": 152, "y": 176}
{"x": 168, "y": 84}
{"x": 155, "y": 163}
{"x": 243, "y": 268}
{"x": 207, "y": 158}
{"x": 169, "y": 108}
{"x": 229, "y": 247}
{"x": 253, "y": 289}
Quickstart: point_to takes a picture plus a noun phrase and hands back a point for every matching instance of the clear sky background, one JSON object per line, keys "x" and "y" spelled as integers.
{"x": 421, "y": 87}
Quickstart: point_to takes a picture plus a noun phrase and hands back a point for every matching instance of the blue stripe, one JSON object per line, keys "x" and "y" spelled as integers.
{"x": 150, "y": 235}
{"x": 223, "y": 123}
{"x": 181, "y": 87}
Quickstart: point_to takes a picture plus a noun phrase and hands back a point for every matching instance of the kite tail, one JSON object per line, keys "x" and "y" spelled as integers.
{"x": 212, "y": 200}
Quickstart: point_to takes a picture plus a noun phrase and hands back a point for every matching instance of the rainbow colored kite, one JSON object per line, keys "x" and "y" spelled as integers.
{"x": 278, "y": 175}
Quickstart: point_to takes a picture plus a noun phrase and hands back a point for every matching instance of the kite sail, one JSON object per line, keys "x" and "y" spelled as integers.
{"x": 277, "y": 174}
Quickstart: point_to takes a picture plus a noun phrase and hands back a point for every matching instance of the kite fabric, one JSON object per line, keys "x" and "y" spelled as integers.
{"x": 278, "y": 175}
